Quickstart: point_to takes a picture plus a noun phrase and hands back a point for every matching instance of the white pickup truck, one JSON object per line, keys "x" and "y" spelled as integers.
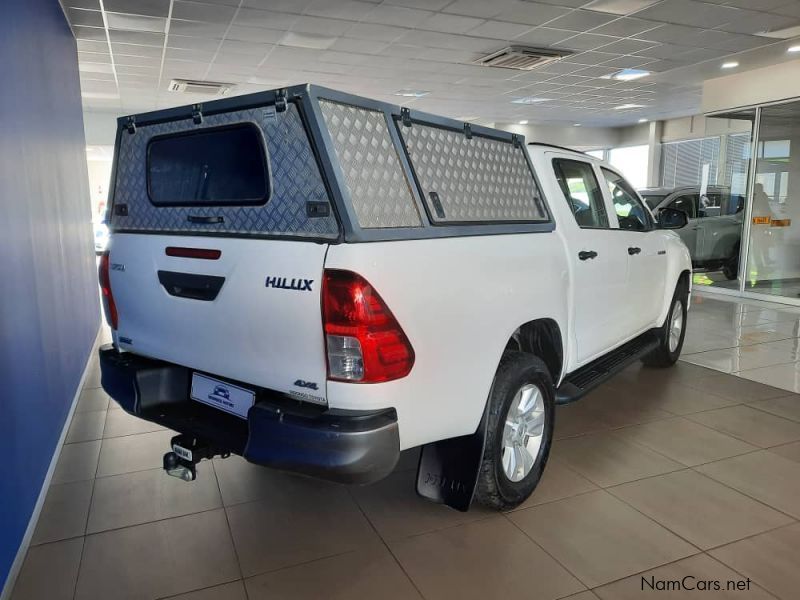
{"x": 317, "y": 282}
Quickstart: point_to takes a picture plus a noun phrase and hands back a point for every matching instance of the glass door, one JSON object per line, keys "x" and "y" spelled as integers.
{"x": 773, "y": 261}
{"x": 719, "y": 166}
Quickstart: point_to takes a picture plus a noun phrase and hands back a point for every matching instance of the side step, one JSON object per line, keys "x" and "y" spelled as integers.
{"x": 582, "y": 381}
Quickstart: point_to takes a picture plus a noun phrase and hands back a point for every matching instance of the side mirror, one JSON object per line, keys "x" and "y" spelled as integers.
{"x": 672, "y": 218}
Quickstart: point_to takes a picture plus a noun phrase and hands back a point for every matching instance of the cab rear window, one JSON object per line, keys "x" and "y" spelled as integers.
{"x": 218, "y": 166}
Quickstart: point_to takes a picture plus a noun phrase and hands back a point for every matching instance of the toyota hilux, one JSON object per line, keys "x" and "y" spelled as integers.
{"x": 317, "y": 281}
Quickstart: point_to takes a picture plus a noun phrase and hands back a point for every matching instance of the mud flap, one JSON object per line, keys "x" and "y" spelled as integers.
{"x": 448, "y": 469}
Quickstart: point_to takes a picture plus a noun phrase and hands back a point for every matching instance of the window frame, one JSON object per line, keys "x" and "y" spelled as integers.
{"x": 591, "y": 165}
{"x": 262, "y": 146}
{"x": 650, "y": 225}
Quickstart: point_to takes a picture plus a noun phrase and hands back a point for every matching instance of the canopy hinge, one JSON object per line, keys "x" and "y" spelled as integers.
{"x": 405, "y": 117}
{"x": 197, "y": 114}
{"x": 130, "y": 125}
{"x": 280, "y": 100}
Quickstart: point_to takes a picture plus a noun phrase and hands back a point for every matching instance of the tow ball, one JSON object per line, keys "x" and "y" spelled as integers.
{"x": 187, "y": 451}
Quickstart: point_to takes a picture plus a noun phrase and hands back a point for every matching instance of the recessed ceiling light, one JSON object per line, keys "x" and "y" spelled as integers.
{"x": 786, "y": 33}
{"x": 794, "y": 49}
{"x": 730, "y": 65}
{"x": 467, "y": 118}
{"x": 627, "y": 106}
{"x": 411, "y": 93}
{"x": 576, "y": 124}
{"x": 630, "y": 74}
{"x": 643, "y": 120}
{"x": 529, "y": 100}
{"x": 523, "y": 122}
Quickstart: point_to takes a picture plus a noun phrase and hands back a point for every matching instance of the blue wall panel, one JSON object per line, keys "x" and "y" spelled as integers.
{"x": 49, "y": 310}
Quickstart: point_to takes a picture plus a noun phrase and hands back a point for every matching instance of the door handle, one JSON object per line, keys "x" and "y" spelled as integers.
{"x": 213, "y": 220}
{"x": 586, "y": 254}
{"x": 634, "y": 250}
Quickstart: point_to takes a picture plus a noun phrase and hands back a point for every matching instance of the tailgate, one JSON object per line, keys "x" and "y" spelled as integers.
{"x": 262, "y": 327}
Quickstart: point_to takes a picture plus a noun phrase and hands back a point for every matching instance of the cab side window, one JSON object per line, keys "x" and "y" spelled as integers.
{"x": 582, "y": 191}
{"x": 631, "y": 213}
{"x": 686, "y": 203}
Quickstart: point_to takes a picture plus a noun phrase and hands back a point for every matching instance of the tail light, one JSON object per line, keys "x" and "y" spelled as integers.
{"x": 109, "y": 307}
{"x": 365, "y": 342}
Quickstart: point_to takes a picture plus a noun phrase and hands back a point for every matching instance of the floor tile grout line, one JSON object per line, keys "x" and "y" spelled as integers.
{"x": 738, "y": 572}
{"x": 521, "y": 508}
{"x": 741, "y": 439}
{"x": 385, "y": 543}
{"x": 744, "y": 493}
{"x": 684, "y": 355}
{"x": 640, "y": 573}
{"x": 545, "y": 550}
{"x": 789, "y": 419}
{"x": 665, "y": 526}
{"x": 78, "y": 572}
{"x": 116, "y": 437}
{"x": 753, "y": 535}
{"x": 207, "y": 587}
{"x": 159, "y": 520}
{"x": 736, "y": 373}
{"x": 230, "y": 531}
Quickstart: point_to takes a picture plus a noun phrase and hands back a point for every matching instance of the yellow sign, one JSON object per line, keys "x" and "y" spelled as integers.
{"x": 761, "y": 220}
{"x": 781, "y": 222}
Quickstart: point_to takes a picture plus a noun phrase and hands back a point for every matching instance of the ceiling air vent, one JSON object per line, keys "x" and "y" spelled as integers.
{"x": 207, "y": 88}
{"x": 521, "y": 58}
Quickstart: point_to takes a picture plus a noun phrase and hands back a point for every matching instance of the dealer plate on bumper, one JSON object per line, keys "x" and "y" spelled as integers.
{"x": 221, "y": 394}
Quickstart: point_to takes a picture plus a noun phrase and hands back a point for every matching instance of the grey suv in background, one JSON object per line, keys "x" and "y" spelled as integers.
{"x": 715, "y": 224}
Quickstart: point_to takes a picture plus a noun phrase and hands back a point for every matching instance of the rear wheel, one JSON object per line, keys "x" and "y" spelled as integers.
{"x": 672, "y": 333}
{"x": 731, "y": 267}
{"x": 519, "y": 431}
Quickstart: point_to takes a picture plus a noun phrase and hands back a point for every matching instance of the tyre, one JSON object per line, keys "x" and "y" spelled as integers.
{"x": 519, "y": 431}
{"x": 731, "y": 267}
{"x": 671, "y": 333}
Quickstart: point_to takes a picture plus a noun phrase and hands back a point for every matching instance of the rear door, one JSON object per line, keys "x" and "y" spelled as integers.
{"x": 220, "y": 230}
{"x": 598, "y": 259}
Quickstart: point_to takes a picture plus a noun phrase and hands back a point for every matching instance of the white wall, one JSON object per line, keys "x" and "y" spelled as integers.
{"x": 580, "y": 138}
{"x": 100, "y": 128}
{"x": 757, "y": 86}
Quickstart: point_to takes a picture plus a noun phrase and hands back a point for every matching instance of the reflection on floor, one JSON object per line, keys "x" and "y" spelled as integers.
{"x": 662, "y": 473}
{"x": 789, "y": 288}
{"x": 701, "y": 279}
{"x": 751, "y": 339}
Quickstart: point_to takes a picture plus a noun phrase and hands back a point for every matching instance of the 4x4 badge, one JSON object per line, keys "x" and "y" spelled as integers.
{"x": 306, "y": 384}
{"x": 301, "y": 285}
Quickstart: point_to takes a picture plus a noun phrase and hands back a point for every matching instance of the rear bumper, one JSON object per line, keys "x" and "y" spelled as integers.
{"x": 338, "y": 445}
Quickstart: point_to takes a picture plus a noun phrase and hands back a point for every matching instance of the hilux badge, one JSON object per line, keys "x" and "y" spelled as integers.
{"x": 284, "y": 283}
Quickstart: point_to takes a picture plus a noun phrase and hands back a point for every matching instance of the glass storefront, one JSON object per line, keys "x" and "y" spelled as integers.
{"x": 773, "y": 261}
{"x": 707, "y": 178}
{"x": 744, "y": 215}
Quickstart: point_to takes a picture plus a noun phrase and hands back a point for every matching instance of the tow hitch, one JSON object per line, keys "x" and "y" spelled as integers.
{"x": 187, "y": 451}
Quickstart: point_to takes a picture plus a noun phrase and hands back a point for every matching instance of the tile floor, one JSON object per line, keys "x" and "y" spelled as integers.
{"x": 758, "y": 341}
{"x": 658, "y": 473}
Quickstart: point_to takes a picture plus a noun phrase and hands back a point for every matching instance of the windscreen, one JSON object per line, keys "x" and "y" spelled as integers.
{"x": 210, "y": 167}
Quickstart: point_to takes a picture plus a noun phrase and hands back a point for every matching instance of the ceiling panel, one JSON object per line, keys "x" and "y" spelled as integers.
{"x": 377, "y": 47}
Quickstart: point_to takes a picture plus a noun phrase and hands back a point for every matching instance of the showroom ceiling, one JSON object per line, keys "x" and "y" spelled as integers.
{"x": 130, "y": 50}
